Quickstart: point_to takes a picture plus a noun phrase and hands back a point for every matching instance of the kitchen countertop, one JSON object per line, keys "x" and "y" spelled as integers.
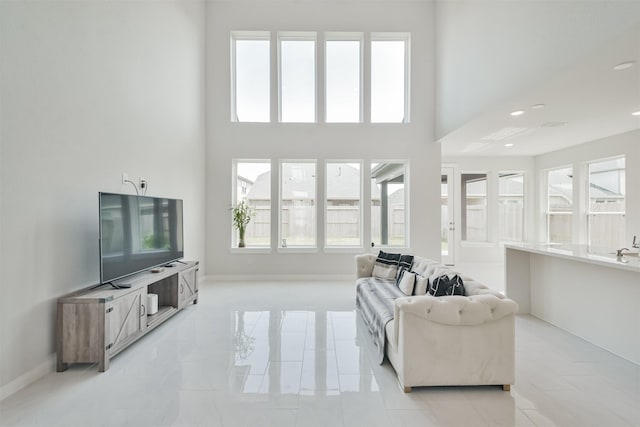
{"x": 583, "y": 253}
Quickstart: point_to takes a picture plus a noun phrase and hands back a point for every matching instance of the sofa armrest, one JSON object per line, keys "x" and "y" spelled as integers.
{"x": 364, "y": 265}
{"x": 457, "y": 310}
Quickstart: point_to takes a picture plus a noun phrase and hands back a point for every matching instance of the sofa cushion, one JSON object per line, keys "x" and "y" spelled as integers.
{"x": 386, "y": 266}
{"x": 424, "y": 266}
{"x": 407, "y": 282}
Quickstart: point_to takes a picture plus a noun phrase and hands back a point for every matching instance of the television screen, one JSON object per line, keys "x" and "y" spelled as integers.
{"x": 138, "y": 233}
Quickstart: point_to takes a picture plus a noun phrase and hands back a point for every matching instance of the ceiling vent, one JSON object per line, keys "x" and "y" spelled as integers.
{"x": 475, "y": 146}
{"x": 505, "y": 133}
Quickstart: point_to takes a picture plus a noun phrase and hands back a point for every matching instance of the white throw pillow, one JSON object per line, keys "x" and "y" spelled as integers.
{"x": 406, "y": 282}
{"x": 422, "y": 283}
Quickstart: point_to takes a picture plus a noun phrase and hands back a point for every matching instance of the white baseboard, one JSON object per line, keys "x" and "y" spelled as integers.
{"x": 28, "y": 377}
{"x": 278, "y": 277}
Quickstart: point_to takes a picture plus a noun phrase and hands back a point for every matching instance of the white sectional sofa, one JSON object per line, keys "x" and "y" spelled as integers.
{"x": 444, "y": 341}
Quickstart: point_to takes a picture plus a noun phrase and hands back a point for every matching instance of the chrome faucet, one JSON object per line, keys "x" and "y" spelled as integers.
{"x": 619, "y": 252}
{"x": 635, "y": 244}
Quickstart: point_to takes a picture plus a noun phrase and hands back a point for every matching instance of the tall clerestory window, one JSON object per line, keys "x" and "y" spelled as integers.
{"x": 297, "y": 77}
{"x": 250, "y": 76}
{"x": 343, "y": 77}
{"x": 390, "y": 77}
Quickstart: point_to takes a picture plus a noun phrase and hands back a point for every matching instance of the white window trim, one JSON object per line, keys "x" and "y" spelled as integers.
{"x": 298, "y": 249}
{"x": 345, "y": 36}
{"x": 470, "y": 243}
{"x": 587, "y": 199}
{"x": 588, "y": 186}
{"x": 349, "y": 248}
{"x": 546, "y": 212}
{"x": 234, "y": 197}
{"x": 524, "y": 204}
{"x": 244, "y": 35}
{"x": 407, "y": 209}
{"x": 298, "y": 36}
{"x": 396, "y": 36}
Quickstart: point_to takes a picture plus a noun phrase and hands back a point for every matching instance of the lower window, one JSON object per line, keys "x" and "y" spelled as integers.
{"x": 388, "y": 202}
{"x": 298, "y": 204}
{"x": 253, "y": 186}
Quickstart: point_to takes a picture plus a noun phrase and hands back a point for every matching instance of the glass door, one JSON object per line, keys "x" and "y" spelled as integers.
{"x": 447, "y": 221}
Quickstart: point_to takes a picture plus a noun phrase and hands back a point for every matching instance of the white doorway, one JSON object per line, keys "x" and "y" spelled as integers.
{"x": 447, "y": 218}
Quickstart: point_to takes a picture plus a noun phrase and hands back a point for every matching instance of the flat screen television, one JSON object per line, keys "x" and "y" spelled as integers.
{"x": 138, "y": 233}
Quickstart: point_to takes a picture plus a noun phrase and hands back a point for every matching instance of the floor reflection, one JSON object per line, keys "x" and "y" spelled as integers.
{"x": 292, "y": 352}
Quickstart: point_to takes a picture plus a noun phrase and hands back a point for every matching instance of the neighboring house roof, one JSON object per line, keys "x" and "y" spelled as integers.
{"x": 261, "y": 188}
{"x": 247, "y": 180}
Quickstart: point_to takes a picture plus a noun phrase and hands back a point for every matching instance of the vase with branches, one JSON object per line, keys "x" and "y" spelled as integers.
{"x": 241, "y": 215}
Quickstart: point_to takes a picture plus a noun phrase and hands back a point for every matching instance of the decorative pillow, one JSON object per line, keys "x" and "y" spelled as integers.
{"x": 386, "y": 266}
{"x": 445, "y": 282}
{"x": 407, "y": 281}
{"x": 456, "y": 287}
{"x": 422, "y": 283}
{"x": 438, "y": 286}
{"x": 405, "y": 263}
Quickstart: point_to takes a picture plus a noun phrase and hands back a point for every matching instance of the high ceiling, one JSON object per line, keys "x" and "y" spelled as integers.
{"x": 587, "y": 100}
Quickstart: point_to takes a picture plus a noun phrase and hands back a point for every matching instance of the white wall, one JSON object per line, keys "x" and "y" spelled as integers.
{"x": 88, "y": 90}
{"x": 490, "y": 50}
{"x": 491, "y": 251}
{"x": 226, "y": 140}
{"x": 624, "y": 144}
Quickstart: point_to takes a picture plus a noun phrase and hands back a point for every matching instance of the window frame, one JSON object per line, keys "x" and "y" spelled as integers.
{"x": 547, "y": 211}
{"x": 345, "y": 36}
{"x": 298, "y": 36}
{"x": 407, "y": 199}
{"x": 589, "y": 214}
{"x": 347, "y": 248}
{"x": 234, "y": 198}
{"x": 299, "y": 249}
{"x": 246, "y": 36}
{"x": 392, "y": 36}
{"x": 463, "y": 211}
{"x": 524, "y": 203}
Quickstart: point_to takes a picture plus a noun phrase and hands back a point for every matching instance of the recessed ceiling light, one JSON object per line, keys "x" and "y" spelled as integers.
{"x": 624, "y": 65}
{"x": 508, "y": 145}
{"x": 537, "y": 106}
{"x": 636, "y": 113}
{"x": 517, "y": 113}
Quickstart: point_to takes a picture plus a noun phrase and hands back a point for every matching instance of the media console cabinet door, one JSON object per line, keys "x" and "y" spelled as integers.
{"x": 128, "y": 319}
{"x": 187, "y": 286}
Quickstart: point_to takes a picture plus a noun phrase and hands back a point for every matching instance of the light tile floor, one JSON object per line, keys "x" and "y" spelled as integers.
{"x": 294, "y": 354}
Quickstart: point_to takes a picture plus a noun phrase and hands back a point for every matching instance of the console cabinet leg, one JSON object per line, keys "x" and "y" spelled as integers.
{"x": 60, "y": 366}
{"x": 506, "y": 387}
{"x": 103, "y": 364}
{"x": 406, "y": 389}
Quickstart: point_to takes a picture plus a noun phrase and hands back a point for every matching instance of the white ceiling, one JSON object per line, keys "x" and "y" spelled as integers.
{"x": 586, "y": 101}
